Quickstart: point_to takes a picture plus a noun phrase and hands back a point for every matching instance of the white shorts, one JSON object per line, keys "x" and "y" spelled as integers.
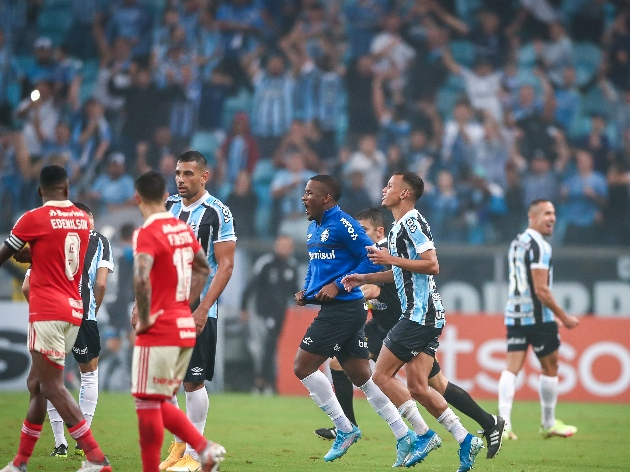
{"x": 53, "y": 339}
{"x": 158, "y": 371}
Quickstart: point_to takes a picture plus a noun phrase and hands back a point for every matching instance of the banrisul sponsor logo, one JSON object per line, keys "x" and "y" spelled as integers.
{"x": 322, "y": 255}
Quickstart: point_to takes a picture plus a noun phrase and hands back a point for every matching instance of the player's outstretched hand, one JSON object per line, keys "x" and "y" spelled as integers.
{"x": 353, "y": 280}
{"x": 379, "y": 256}
{"x": 23, "y": 255}
{"x": 571, "y": 322}
{"x": 299, "y": 298}
{"x": 328, "y": 292}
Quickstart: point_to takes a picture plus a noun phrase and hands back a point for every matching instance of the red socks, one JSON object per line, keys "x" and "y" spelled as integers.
{"x": 151, "y": 430}
{"x": 28, "y": 439}
{"x": 82, "y": 434}
{"x": 176, "y": 421}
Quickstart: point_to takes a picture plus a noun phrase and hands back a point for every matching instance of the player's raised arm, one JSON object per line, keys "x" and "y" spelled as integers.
{"x": 142, "y": 285}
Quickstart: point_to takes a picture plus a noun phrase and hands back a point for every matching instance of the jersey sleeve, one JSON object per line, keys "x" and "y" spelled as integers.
{"x": 539, "y": 255}
{"x": 224, "y": 230}
{"x": 421, "y": 241}
{"x": 107, "y": 258}
{"x": 143, "y": 243}
{"x": 26, "y": 229}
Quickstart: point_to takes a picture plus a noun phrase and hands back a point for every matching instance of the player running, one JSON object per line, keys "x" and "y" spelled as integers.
{"x": 530, "y": 317}
{"x": 413, "y": 341}
{"x": 170, "y": 269}
{"x": 385, "y": 308}
{"x": 99, "y": 262}
{"x": 58, "y": 234}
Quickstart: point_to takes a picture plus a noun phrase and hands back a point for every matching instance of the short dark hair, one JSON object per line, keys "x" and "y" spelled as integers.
{"x": 373, "y": 215}
{"x": 151, "y": 186}
{"x": 84, "y": 207}
{"x": 537, "y": 202}
{"x": 414, "y": 181}
{"x": 194, "y": 156}
{"x": 331, "y": 183}
{"x": 52, "y": 176}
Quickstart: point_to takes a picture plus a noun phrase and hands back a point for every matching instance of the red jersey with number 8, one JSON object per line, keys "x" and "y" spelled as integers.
{"x": 58, "y": 235}
{"x": 173, "y": 246}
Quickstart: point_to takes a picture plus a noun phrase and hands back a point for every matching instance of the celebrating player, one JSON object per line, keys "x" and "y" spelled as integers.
{"x": 413, "y": 341}
{"x": 530, "y": 317}
{"x": 170, "y": 268}
{"x": 58, "y": 234}
{"x": 336, "y": 246}
{"x": 212, "y": 223}
{"x": 98, "y": 264}
{"x": 385, "y": 314}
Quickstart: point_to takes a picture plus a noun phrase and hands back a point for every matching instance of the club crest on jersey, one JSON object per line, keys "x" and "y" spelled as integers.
{"x": 324, "y": 236}
{"x": 308, "y": 236}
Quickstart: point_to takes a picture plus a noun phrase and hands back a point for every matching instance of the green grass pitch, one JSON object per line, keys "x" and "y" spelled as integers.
{"x": 276, "y": 434}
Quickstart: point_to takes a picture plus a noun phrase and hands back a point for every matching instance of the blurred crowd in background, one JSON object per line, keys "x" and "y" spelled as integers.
{"x": 493, "y": 102}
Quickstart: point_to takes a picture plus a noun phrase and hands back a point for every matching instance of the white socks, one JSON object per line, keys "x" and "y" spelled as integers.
{"x": 57, "y": 425}
{"x": 450, "y": 421}
{"x": 88, "y": 398}
{"x": 322, "y": 393}
{"x": 548, "y": 390}
{"x": 197, "y": 404}
{"x": 173, "y": 400}
{"x": 384, "y": 408}
{"x": 507, "y": 387}
{"x": 409, "y": 411}
{"x": 88, "y": 395}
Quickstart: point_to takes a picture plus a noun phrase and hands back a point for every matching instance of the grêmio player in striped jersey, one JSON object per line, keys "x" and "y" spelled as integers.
{"x": 530, "y": 318}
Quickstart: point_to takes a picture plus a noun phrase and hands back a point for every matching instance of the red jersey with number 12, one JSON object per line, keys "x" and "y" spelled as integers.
{"x": 173, "y": 246}
{"x": 58, "y": 235}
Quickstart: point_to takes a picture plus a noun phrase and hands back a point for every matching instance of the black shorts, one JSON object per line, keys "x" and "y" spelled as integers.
{"x": 201, "y": 366}
{"x": 375, "y": 334}
{"x": 435, "y": 369}
{"x": 337, "y": 331}
{"x": 544, "y": 338}
{"x": 88, "y": 343}
{"x": 408, "y": 339}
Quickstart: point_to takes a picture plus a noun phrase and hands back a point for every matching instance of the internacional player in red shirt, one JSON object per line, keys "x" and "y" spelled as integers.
{"x": 58, "y": 235}
{"x": 170, "y": 270}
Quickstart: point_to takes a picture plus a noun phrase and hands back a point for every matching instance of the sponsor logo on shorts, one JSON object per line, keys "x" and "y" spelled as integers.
{"x": 538, "y": 348}
{"x": 308, "y": 341}
{"x": 197, "y": 371}
{"x": 165, "y": 381}
{"x": 337, "y": 347}
{"x": 52, "y": 353}
{"x": 80, "y": 351}
{"x": 516, "y": 341}
{"x": 414, "y": 353}
{"x": 362, "y": 343}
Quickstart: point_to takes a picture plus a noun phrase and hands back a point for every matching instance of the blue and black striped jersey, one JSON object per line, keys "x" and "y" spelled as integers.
{"x": 99, "y": 254}
{"x": 528, "y": 251}
{"x": 419, "y": 299}
{"x": 212, "y": 222}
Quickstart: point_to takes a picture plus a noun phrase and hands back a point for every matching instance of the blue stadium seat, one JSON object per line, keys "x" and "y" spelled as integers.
{"x": 463, "y": 52}
{"x": 455, "y": 83}
{"x": 527, "y": 77}
{"x": 54, "y": 22}
{"x": 594, "y": 101}
{"x": 13, "y": 93}
{"x": 587, "y": 60}
{"x": 445, "y": 101}
{"x": 207, "y": 144}
{"x": 240, "y": 102}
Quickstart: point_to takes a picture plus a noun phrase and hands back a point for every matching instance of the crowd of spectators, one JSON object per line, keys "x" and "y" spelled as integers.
{"x": 492, "y": 102}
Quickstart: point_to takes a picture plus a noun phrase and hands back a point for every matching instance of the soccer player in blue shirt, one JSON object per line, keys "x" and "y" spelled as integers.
{"x": 337, "y": 247}
{"x": 413, "y": 341}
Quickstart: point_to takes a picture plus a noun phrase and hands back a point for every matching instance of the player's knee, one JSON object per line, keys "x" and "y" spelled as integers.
{"x": 379, "y": 378}
{"x": 418, "y": 390}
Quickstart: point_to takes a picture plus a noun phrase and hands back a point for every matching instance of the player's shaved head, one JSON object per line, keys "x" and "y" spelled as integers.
{"x": 331, "y": 184}
{"x": 51, "y": 177}
{"x": 84, "y": 207}
{"x": 534, "y": 206}
{"x": 196, "y": 157}
{"x": 151, "y": 187}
